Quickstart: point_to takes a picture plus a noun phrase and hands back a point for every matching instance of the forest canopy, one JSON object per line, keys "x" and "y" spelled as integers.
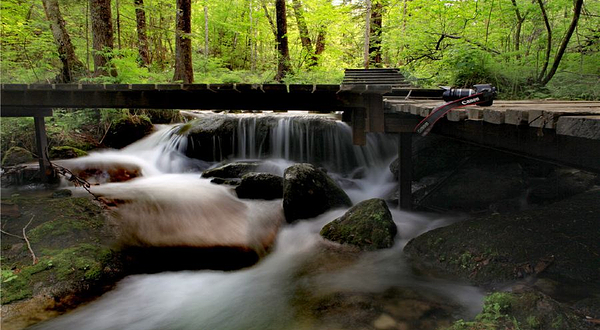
{"x": 528, "y": 48}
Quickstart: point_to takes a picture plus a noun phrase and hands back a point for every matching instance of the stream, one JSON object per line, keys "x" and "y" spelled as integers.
{"x": 302, "y": 281}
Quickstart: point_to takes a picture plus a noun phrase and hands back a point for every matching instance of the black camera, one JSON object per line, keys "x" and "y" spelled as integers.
{"x": 451, "y": 94}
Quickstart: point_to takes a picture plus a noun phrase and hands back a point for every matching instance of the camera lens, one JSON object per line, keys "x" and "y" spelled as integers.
{"x": 457, "y": 93}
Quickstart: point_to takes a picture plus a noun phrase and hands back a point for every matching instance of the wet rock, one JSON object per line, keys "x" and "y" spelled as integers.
{"x": 66, "y": 152}
{"x": 562, "y": 183}
{"x": 127, "y": 130}
{"x": 559, "y": 240}
{"x": 96, "y": 173}
{"x": 308, "y": 192}
{"x": 478, "y": 188}
{"x": 61, "y": 193}
{"x": 231, "y": 170}
{"x": 589, "y": 307}
{"x": 15, "y": 156}
{"x": 368, "y": 225}
{"x": 260, "y": 186}
{"x": 230, "y": 182}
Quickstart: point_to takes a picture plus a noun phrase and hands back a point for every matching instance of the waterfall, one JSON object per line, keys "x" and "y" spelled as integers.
{"x": 316, "y": 139}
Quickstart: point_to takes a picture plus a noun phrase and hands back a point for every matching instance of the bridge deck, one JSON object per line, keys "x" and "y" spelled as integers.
{"x": 572, "y": 118}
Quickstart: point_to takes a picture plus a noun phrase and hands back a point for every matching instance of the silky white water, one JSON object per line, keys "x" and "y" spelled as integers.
{"x": 288, "y": 287}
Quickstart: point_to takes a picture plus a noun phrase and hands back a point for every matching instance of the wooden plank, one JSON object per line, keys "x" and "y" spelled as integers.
{"x": 474, "y": 113}
{"x": 516, "y": 116}
{"x": 457, "y": 115}
{"x": 548, "y": 118}
{"x": 579, "y": 126}
{"x": 25, "y": 112}
{"x": 493, "y": 115}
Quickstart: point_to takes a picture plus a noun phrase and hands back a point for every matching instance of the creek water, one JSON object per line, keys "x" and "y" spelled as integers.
{"x": 302, "y": 282}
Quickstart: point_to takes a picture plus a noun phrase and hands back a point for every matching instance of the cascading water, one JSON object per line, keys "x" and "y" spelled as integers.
{"x": 304, "y": 282}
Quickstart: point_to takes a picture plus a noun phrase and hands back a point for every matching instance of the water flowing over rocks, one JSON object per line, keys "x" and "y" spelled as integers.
{"x": 308, "y": 192}
{"x": 315, "y": 139}
{"x": 178, "y": 221}
{"x": 260, "y": 186}
{"x": 367, "y": 225}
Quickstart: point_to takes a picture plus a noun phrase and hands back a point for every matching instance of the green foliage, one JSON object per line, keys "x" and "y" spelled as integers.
{"x": 458, "y": 43}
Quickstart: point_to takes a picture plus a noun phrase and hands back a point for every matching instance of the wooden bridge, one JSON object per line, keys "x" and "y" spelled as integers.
{"x": 372, "y": 101}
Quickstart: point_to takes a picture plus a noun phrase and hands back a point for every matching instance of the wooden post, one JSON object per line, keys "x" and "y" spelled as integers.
{"x": 375, "y": 116}
{"x": 41, "y": 142}
{"x": 359, "y": 136}
{"x": 405, "y": 171}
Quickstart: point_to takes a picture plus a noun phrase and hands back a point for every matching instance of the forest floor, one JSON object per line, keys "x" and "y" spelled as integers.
{"x": 73, "y": 243}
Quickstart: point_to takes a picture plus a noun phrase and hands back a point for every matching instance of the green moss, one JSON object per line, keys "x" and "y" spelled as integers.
{"x": 64, "y": 152}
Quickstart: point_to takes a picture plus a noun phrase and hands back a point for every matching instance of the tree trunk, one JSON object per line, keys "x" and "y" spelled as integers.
{"x": 283, "y": 59}
{"x": 548, "y": 43}
{"x": 367, "y": 34}
{"x": 304, "y": 35}
{"x": 140, "y": 18}
{"x": 375, "y": 32}
{"x": 103, "y": 39}
{"x": 183, "y": 43}
{"x": 565, "y": 42}
{"x": 518, "y": 28}
{"x": 66, "y": 52}
{"x": 320, "y": 43}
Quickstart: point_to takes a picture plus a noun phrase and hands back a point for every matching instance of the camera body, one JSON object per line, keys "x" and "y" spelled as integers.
{"x": 451, "y": 94}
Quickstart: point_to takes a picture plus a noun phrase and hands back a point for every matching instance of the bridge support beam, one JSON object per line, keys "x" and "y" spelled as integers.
{"x": 405, "y": 171}
{"x": 41, "y": 142}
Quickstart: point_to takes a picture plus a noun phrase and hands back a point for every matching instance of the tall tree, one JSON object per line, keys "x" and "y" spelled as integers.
{"x": 367, "y": 34}
{"x": 183, "y": 43}
{"x": 70, "y": 63}
{"x": 304, "y": 35}
{"x": 563, "y": 46}
{"x": 375, "y": 32}
{"x": 103, "y": 38}
{"x": 142, "y": 36}
{"x": 283, "y": 58}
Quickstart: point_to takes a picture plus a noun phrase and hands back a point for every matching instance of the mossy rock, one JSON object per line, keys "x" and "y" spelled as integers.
{"x": 367, "y": 225}
{"x": 127, "y": 130}
{"x": 559, "y": 241}
{"x": 74, "y": 245}
{"x": 525, "y": 311}
{"x": 66, "y": 152}
{"x": 308, "y": 192}
{"x": 16, "y": 155}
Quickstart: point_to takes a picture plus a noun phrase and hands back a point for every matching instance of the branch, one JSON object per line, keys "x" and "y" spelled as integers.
{"x": 77, "y": 181}
{"x": 35, "y": 259}
{"x": 483, "y": 47}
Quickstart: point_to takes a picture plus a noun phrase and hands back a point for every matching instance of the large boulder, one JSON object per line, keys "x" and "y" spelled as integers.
{"x": 260, "y": 186}
{"x": 308, "y": 192}
{"x": 562, "y": 183}
{"x": 367, "y": 225}
{"x": 559, "y": 241}
{"x": 15, "y": 156}
{"x": 127, "y": 130}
